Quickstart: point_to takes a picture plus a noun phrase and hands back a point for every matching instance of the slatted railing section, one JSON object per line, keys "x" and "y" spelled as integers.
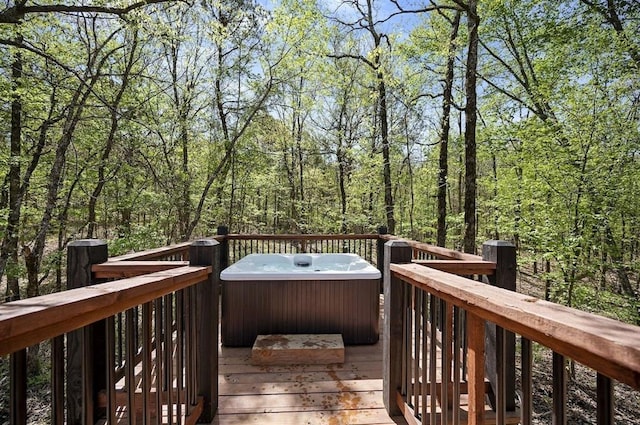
{"x": 431, "y": 378}
{"x": 136, "y": 264}
{"x": 365, "y": 245}
{"x": 142, "y": 349}
{"x": 434, "y": 335}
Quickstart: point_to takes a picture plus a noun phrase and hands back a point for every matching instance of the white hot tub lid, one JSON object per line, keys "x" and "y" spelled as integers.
{"x": 300, "y": 267}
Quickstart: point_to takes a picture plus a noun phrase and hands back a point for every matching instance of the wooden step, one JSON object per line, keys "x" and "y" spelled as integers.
{"x": 298, "y": 349}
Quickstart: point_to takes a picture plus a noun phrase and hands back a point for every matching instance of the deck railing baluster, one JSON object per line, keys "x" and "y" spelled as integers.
{"x": 424, "y": 367}
{"x": 136, "y": 325}
{"x": 110, "y": 408}
{"x": 159, "y": 355}
{"x": 501, "y": 366}
{"x": 417, "y": 312}
{"x": 130, "y": 378}
{"x": 168, "y": 352}
{"x": 179, "y": 353}
{"x": 559, "y": 413}
{"x": 433, "y": 358}
{"x": 18, "y": 396}
{"x": 408, "y": 339}
{"x": 445, "y": 368}
{"x": 604, "y": 388}
{"x": 120, "y": 343}
{"x": 189, "y": 394}
{"x": 526, "y": 361}
{"x": 457, "y": 376}
{"x": 57, "y": 380}
{"x": 146, "y": 363}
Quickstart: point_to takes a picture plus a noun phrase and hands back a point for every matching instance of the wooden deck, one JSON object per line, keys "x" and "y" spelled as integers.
{"x": 349, "y": 393}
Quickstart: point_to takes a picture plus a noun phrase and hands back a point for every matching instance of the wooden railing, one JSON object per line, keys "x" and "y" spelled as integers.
{"x": 449, "y": 342}
{"x": 143, "y": 346}
{"x": 236, "y": 246}
{"x": 452, "y": 326}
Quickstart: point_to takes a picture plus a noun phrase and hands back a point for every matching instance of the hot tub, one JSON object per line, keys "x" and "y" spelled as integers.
{"x": 300, "y": 294}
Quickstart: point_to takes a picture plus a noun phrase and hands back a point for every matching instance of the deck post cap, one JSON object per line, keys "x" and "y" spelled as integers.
{"x": 494, "y": 242}
{"x": 397, "y": 243}
{"x": 87, "y": 242}
{"x": 205, "y": 242}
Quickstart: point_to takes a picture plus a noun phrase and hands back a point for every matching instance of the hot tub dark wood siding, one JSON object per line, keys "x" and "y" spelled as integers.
{"x": 347, "y": 307}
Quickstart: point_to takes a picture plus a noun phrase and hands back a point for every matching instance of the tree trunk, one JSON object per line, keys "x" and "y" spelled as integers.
{"x": 342, "y": 172}
{"x": 9, "y": 257}
{"x": 343, "y": 191}
{"x": 496, "y": 215}
{"x": 473, "y": 22}
{"x": 184, "y": 208}
{"x": 617, "y": 262}
{"x": 445, "y": 126}
{"x": 386, "y": 153}
{"x": 412, "y": 201}
{"x": 517, "y": 213}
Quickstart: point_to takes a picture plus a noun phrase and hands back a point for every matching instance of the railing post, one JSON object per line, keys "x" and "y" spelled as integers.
{"x": 395, "y": 252}
{"x": 224, "y": 247}
{"x": 504, "y": 255}
{"x": 86, "y": 347}
{"x": 206, "y": 252}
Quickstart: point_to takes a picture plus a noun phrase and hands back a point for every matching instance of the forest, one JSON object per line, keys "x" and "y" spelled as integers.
{"x": 447, "y": 121}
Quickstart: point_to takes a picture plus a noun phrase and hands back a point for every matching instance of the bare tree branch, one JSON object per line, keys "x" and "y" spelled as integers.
{"x": 352, "y": 56}
{"x": 15, "y": 14}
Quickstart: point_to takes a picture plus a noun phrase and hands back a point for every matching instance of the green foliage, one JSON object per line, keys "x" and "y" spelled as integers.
{"x": 607, "y": 303}
{"x": 139, "y": 238}
{"x": 253, "y": 118}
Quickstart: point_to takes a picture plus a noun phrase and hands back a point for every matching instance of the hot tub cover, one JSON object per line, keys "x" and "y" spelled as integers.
{"x": 300, "y": 267}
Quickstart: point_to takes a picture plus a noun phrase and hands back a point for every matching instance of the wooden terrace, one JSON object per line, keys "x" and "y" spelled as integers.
{"x": 450, "y": 329}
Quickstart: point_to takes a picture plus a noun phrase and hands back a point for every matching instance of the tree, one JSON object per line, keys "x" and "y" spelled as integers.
{"x": 559, "y": 136}
{"x": 27, "y": 19}
{"x": 114, "y": 118}
{"x": 443, "y": 160}
{"x": 99, "y": 54}
{"x": 617, "y": 14}
{"x": 470, "y": 113}
{"x": 367, "y": 21}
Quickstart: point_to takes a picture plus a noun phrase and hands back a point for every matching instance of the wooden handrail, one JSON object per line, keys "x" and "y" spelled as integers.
{"x": 122, "y": 269}
{"x": 154, "y": 254}
{"x": 460, "y": 267}
{"x": 29, "y": 321}
{"x": 310, "y": 237}
{"x": 605, "y": 345}
{"x": 443, "y": 253}
{"x": 436, "y": 251}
